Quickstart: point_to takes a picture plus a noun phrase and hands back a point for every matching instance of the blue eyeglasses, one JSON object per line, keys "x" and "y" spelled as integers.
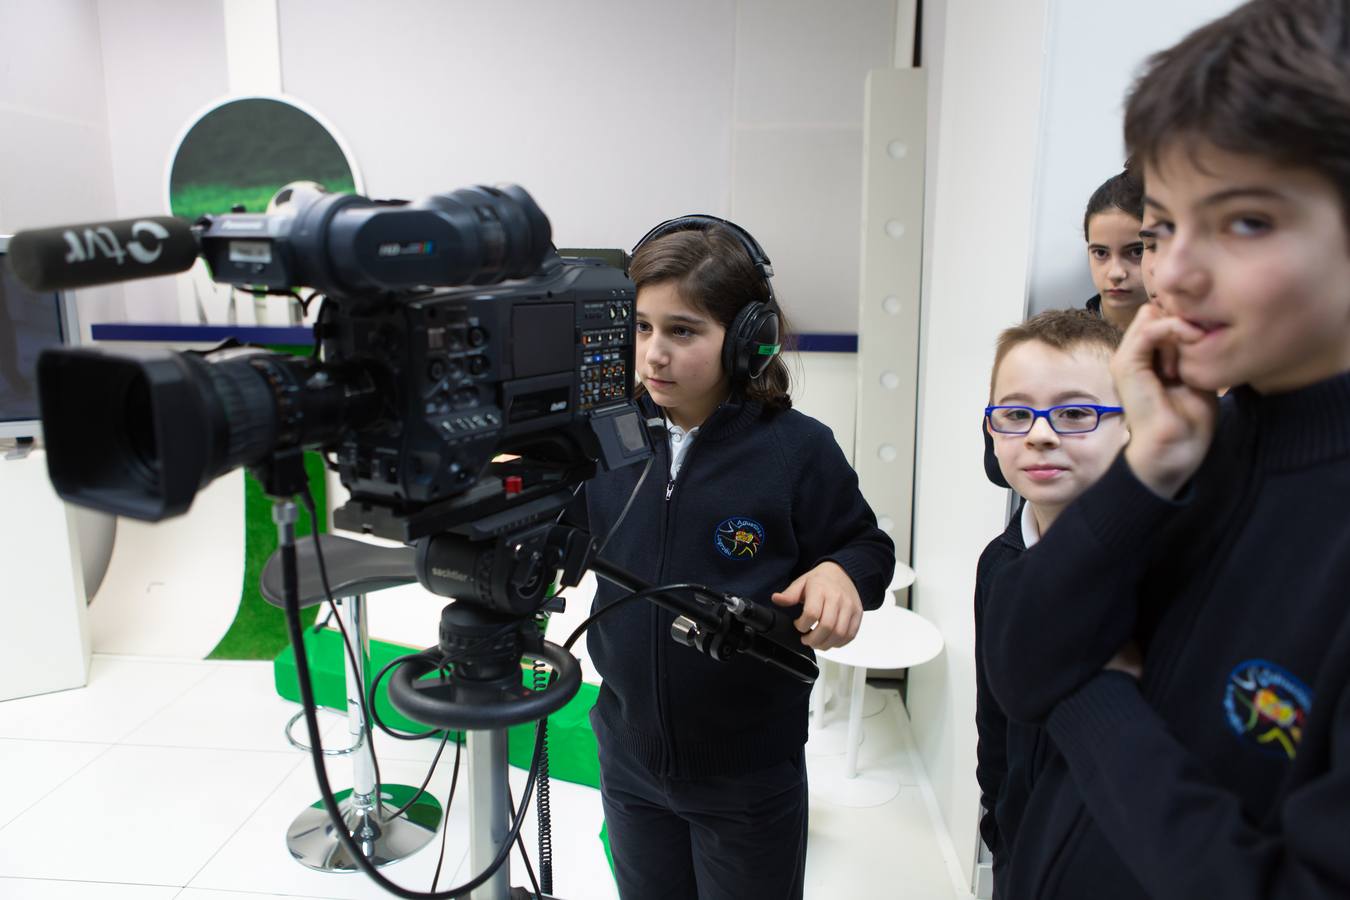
{"x": 1078, "y": 418}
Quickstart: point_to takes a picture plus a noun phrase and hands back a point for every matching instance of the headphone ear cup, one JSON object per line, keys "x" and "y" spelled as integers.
{"x": 754, "y": 325}
{"x": 764, "y": 330}
{"x": 735, "y": 352}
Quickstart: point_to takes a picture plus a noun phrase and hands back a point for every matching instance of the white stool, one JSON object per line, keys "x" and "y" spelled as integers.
{"x": 828, "y": 740}
{"x": 355, "y": 569}
{"x": 891, "y": 637}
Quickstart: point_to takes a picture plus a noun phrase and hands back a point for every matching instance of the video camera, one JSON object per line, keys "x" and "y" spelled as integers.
{"x": 414, "y": 391}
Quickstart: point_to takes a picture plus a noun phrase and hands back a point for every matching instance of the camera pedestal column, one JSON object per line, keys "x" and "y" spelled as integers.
{"x": 489, "y": 816}
{"x": 354, "y": 568}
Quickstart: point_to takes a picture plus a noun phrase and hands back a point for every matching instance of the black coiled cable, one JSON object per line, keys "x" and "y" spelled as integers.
{"x": 541, "y": 788}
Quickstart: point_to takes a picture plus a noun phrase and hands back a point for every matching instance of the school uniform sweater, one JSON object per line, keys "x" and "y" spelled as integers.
{"x": 761, "y": 497}
{"x": 1008, "y": 754}
{"x": 1225, "y": 771}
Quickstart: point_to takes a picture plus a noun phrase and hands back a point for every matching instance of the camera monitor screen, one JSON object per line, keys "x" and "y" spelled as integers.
{"x": 30, "y": 322}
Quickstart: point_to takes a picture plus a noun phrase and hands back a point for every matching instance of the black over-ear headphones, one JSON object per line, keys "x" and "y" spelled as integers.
{"x": 752, "y": 339}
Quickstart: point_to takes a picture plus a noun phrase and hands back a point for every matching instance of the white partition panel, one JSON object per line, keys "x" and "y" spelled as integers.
{"x": 172, "y": 588}
{"x": 888, "y": 300}
{"x": 44, "y": 639}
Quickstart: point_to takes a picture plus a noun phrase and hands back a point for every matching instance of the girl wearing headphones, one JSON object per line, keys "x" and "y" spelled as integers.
{"x": 703, "y": 775}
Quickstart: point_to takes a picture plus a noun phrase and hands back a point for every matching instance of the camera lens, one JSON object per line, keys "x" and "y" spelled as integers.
{"x": 176, "y": 421}
{"x": 142, "y": 448}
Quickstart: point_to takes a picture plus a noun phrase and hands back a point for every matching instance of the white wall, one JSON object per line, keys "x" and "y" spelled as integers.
{"x": 53, "y": 115}
{"x": 1088, "y": 71}
{"x": 619, "y": 114}
{"x": 984, "y": 104}
{"x": 163, "y": 62}
{"x": 55, "y": 165}
{"x": 614, "y": 114}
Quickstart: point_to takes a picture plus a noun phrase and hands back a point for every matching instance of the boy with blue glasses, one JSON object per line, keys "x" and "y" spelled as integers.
{"x": 1056, "y": 426}
{"x": 1183, "y": 633}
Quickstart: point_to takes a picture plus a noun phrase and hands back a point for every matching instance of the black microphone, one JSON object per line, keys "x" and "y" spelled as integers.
{"x": 72, "y": 256}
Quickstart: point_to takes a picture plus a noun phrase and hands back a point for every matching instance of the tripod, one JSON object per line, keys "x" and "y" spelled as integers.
{"x": 486, "y": 633}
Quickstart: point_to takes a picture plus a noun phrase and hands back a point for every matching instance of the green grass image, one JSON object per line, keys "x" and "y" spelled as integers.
{"x": 243, "y": 151}
{"x": 193, "y": 200}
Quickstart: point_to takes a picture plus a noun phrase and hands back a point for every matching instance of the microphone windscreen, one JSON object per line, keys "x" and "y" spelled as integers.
{"x": 72, "y": 256}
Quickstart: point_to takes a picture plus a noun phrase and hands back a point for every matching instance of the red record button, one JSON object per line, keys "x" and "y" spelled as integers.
{"x": 514, "y": 485}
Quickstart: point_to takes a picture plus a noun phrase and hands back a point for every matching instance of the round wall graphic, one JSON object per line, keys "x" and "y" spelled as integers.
{"x": 241, "y": 151}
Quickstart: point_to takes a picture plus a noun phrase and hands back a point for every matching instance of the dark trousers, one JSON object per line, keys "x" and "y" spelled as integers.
{"x": 716, "y": 838}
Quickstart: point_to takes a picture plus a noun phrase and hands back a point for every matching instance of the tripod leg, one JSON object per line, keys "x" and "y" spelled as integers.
{"x": 489, "y": 821}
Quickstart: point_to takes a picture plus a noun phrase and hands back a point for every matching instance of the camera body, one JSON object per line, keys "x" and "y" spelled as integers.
{"x": 535, "y": 369}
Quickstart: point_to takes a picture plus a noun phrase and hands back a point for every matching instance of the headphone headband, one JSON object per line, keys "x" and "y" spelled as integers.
{"x": 700, "y": 222}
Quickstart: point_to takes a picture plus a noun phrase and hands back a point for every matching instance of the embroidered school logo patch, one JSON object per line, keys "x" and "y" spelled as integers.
{"x": 1267, "y": 705}
{"x": 739, "y": 537}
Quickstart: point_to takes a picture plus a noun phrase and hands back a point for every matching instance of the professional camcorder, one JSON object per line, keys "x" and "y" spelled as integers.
{"x": 467, "y": 380}
{"x": 414, "y": 390}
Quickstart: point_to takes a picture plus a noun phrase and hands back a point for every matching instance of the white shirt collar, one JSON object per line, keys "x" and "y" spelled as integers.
{"x": 679, "y": 433}
{"x": 1031, "y": 532}
{"x": 680, "y": 441}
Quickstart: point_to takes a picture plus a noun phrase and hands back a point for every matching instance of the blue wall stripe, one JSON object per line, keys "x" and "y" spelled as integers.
{"x": 821, "y": 342}
{"x": 827, "y": 342}
{"x": 203, "y": 334}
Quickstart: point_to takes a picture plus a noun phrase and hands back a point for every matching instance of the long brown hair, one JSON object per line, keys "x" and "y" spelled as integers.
{"x": 712, "y": 271}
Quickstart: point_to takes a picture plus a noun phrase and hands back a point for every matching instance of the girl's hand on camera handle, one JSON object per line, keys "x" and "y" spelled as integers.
{"x": 1171, "y": 423}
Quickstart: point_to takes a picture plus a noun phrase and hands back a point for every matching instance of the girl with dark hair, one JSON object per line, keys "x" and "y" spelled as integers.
{"x": 1111, "y": 228}
{"x": 703, "y": 775}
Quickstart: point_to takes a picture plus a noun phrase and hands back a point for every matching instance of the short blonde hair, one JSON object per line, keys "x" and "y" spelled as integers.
{"x": 1062, "y": 329}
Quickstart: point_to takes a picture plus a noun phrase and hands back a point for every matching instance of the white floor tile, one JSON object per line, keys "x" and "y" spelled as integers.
{"x": 121, "y": 694}
{"x": 410, "y": 751}
{"x": 580, "y": 870}
{"x": 35, "y": 889}
{"x": 172, "y": 806}
{"x": 236, "y": 707}
{"x": 884, "y": 750}
{"x": 34, "y": 768}
{"x": 149, "y": 815}
{"x": 886, "y": 851}
{"x": 256, "y": 858}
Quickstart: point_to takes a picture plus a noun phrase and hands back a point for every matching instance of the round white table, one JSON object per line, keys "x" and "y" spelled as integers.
{"x": 890, "y": 637}
{"x": 827, "y": 741}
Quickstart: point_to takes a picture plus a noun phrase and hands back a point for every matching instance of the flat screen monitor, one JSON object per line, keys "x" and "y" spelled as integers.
{"x": 30, "y": 322}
